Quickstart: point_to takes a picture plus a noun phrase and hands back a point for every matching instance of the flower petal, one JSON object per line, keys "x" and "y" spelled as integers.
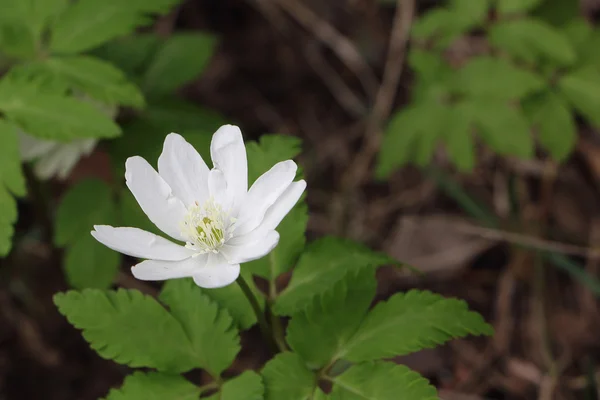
{"x": 154, "y": 196}
{"x": 264, "y": 193}
{"x": 154, "y": 270}
{"x": 252, "y": 250}
{"x": 183, "y": 168}
{"x": 139, "y": 243}
{"x": 217, "y": 272}
{"x": 283, "y": 205}
{"x": 217, "y": 188}
{"x": 228, "y": 154}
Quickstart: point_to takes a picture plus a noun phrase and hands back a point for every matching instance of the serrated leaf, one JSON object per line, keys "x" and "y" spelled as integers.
{"x": 235, "y": 302}
{"x": 85, "y": 204}
{"x": 75, "y": 32}
{"x": 516, "y": 6}
{"x": 324, "y": 327}
{"x": 177, "y": 61}
{"x": 503, "y": 127}
{"x": 154, "y": 386}
{"x": 555, "y": 125}
{"x": 129, "y": 328}
{"x": 381, "y": 380}
{"x": 96, "y": 78}
{"x": 409, "y": 322}
{"x": 247, "y": 386}
{"x": 291, "y": 243}
{"x": 214, "y": 339}
{"x": 458, "y": 137}
{"x": 268, "y": 151}
{"x": 323, "y": 263}
{"x": 286, "y": 377}
{"x": 12, "y": 183}
{"x": 411, "y": 135}
{"x": 527, "y": 38}
{"x": 89, "y": 264}
{"x": 582, "y": 89}
{"x": 509, "y": 82}
{"x": 50, "y": 116}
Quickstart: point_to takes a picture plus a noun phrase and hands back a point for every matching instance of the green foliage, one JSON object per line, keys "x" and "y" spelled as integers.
{"x": 87, "y": 263}
{"x": 286, "y": 377}
{"x": 262, "y": 155}
{"x": 52, "y": 115}
{"x": 532, "y": 40}
{"x": 129, "y": 328}
{"x": 85, "y": 204}
{"x": 235, "y": 302}
{"x": 551, "y": 117}
{"x": 409, "y": 322}
{"x": 247, "y": 386}
{"x": 516, "y": 6}
{"x": 75, "y": 32}
{"x": 179, "y": 60}
{"x": 323, "y": 263}
{"x": 154, "y": 386}
{"x": 94, "y": 77}
{"x": 204, "y": 323}
{"x": 12, "y": 183}
{"x": 521, "y": 89}
{"x": 323, "y": 328}
{"x": 381, "y": 381}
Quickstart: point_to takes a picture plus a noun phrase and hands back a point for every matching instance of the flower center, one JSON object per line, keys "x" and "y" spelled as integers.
{"x": 206, "y": 227}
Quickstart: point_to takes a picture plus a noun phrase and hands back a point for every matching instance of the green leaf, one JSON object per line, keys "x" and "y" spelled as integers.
{"x": 324, "y": 327}
{"x": 215, "y": 341}
{"x": 529, "y": 38}
{"x": 180, "y": 59}
{"x": 129, "y": 328}
{"x": 516, "y": 6}
{"x": 75, "y": 32}
{"x": 582, "y": 89}
{"x": 555, "y": 125}
{"x": 51, "y": 116}
{"x": 247, "y": 386}
{"x": 440, "y": 24}
{"x": 587, "y": 50}
{"x": 458, "y": 137}
{"x": 131, "y": 54}
{"x": 411, "y": 135}
{"x": 291, "y": 243}
{"x": 503, "y": 127}
{"x": 323, "y": 263}
{"x": 557, "y": 12}
{"x": 470, "y": 13}
{"x": 89, "y": 264}
{"x": 12, "y": 183}
{"x": 509, "y": 82}
{"x": 286, "y": 377}
{"x": 17, "y": 40}
{"x": 235, "y": 302}
{"x": 154, "y": 386}
{"x": 97, "y": 78}
{"x": 381, "y": 380}
{"x": 409, "y": 322}
{"x": 85, "y": 204}
{"x": 270, "y": 150}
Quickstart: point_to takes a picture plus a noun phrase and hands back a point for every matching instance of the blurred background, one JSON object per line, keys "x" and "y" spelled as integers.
{"x": 460, "y": 137}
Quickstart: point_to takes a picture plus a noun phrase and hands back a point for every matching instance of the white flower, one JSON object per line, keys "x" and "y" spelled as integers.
{"x": 221, "y": 223}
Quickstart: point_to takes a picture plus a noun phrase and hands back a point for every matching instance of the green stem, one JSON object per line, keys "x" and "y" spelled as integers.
{"x": 277, "y": 329}
{"x": 260, "y": 317}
